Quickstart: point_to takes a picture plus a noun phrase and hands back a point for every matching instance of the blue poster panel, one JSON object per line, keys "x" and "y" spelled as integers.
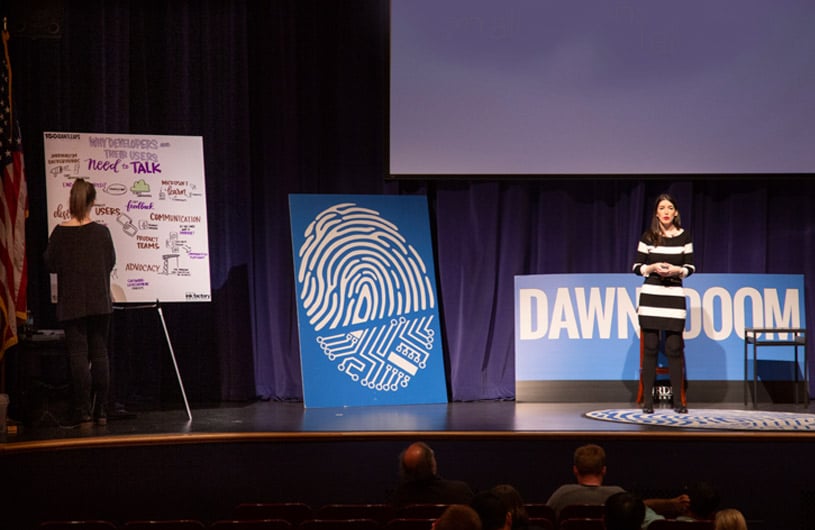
{"x": 367, "y": 308}
{"x": 584, "y": 326}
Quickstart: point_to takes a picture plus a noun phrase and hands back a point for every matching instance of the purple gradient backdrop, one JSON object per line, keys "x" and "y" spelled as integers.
{"x": 598, "y": 87}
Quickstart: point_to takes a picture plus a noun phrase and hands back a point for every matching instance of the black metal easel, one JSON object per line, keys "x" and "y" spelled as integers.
{"x": 157, "y": 306}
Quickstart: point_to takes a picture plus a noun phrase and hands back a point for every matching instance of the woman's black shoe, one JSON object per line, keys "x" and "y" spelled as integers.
{"x": 76, "y": 420}
{"x": 681, "y": 409}
{"x": 100, "y": 416}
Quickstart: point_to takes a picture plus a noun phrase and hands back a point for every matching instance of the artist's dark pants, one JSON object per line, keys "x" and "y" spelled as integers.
{"x": 674, "y": 351}
{"x": 87, "y": 342}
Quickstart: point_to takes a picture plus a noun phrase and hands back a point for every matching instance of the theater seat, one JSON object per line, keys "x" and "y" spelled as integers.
{"x": 582, "y": 524}
{"x": 544, "y": 523}
{"x": 165, "y": 524}
{"x": 538, "y": 510}
{"x": 293, "y": 512}
{"x": 378, "y": 512}
{"x": 251, "y": 524}
{"x": 84, "y": 524}
{"x": 420, "y": 511}
{"x": 582, "y": 511}
{"x": 339, "y": 524}
{"x": 407, "y": 523}
{"x": 673, "y": 524}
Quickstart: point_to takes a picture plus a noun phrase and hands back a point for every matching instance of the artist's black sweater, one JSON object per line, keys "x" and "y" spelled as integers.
{"x": 83, "y": 258}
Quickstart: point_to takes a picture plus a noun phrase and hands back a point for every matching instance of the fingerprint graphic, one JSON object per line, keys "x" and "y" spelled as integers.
{"x": 356, "y": 271}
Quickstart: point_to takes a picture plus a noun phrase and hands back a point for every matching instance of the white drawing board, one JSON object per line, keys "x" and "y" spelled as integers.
{"x": 150, "y": 193}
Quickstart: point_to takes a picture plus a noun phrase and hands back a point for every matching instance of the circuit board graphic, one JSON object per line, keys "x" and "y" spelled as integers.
{"x": 367, "y": 295}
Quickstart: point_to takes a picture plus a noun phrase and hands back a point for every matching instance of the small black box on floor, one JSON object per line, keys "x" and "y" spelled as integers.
{"x": 44, "y": 395}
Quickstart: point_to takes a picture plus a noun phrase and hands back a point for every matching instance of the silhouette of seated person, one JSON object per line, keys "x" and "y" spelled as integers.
{"x": 420, "y": 482}
{"x": 492, "y": 511}
{"x": 589, "y": 469}
{"x": 729, "y": 519}
{"x": 624, "y": 511}
{"x": 458, "y": 517}
{"x": 704, "y": 501}
{"x": 515, "y": 505}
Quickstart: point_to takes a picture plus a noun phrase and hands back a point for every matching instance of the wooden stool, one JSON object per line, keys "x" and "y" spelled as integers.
{"x": 662, "y": 370}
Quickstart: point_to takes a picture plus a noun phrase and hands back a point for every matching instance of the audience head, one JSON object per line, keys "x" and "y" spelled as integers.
{"x": 492, "y": 511}
{"x": 704, "y": 500}
{"x": 589, "y": 460}
{"x": 624, "y": 511}
{"x": 514, "y": 503}
{"x": 458, "y": 517}
{"x": 417, "y": 462}
{"x": 729, "y": 519}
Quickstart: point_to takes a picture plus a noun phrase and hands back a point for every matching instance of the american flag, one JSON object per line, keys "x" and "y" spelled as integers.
{"x": 13, "y": 213}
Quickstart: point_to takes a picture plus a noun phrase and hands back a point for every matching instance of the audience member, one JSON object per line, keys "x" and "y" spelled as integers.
{"x": 729, "y": 519}
{"x": 624, "y": 511}
{"x": 492, "y": 511}
{"x": 420, "y": 482}
{"x": 515, "y": 504}
{"x": 458, "y": 517}
{"x": 589, "y": 469}
{"x": 704, "y": 500}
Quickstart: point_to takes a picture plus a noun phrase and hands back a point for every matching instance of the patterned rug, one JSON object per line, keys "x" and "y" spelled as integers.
{"x": 716, "y": 419}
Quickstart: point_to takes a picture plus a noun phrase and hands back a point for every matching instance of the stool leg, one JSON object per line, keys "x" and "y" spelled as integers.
{"x": 806, "y": 378}
{"x": 796, "y": 374}
{"x": 745, "y": 384}
{"x": 755, "y": 377}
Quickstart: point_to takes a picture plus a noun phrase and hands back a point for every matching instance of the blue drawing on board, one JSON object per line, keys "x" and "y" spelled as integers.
{"x": 367, "y": 300}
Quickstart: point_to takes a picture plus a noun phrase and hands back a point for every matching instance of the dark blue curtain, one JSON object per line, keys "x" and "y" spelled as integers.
{"x": 291, "y": 96}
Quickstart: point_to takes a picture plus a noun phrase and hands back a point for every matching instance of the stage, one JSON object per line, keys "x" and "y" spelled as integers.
{"x": 272, "y": 420}
{"x": 160, "y": 464}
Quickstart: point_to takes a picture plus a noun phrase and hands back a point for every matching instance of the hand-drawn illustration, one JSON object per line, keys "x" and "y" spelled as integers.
{"x": 127, "y": 224}
{"x": 161, "y": 246}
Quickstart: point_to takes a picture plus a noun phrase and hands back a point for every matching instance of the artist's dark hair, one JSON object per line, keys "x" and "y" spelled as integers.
{"x": 82, "y": 196}
{"x": 654, "y": 235}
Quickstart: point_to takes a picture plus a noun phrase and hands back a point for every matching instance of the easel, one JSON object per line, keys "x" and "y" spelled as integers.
{"x": 157, "y": 306}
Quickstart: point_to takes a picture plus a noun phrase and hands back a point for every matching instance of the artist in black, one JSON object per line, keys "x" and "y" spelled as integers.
{"x": 80, "y": 252}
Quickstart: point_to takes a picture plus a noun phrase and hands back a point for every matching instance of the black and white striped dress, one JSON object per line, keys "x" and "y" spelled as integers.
{"x": 662, "y": 300}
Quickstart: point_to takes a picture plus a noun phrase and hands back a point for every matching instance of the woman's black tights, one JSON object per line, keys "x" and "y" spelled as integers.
{"x": 674, "y": 350}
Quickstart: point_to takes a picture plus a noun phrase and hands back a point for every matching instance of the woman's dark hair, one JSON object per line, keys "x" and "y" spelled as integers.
{"x": 491, "y": 510}
{"x": 514, "y": 503}
{"x": 704, "y": 499}
{"x": 624, "y": 511}
{"x": 654, "y": 235}
{"x": 83, "y": 194}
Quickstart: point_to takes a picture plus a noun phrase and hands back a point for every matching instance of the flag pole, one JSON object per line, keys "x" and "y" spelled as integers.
{"x": 8, "y": 69}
